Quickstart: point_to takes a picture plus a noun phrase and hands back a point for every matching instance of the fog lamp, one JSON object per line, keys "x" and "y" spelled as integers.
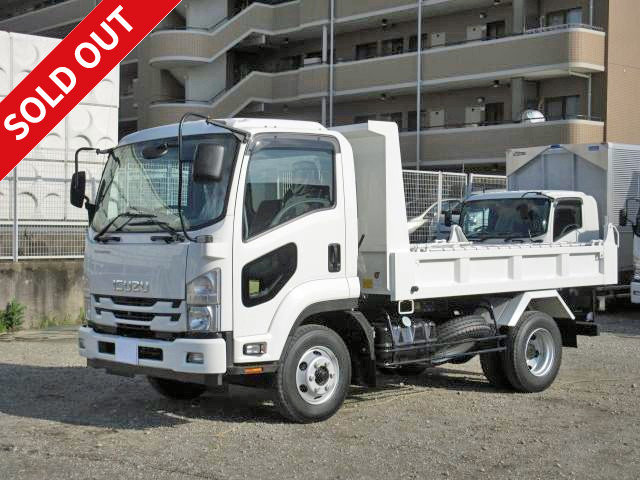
{"x": 195, "y": 357}
{"x": 255, "y": 348}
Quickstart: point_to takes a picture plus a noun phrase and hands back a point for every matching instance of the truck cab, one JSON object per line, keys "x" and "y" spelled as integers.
{"x": 530, "y": 216}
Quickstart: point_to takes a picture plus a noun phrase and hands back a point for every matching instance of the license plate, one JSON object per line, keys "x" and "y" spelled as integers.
{"x": 127, "y": 351}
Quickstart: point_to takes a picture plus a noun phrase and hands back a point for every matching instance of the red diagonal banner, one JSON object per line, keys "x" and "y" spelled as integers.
{"x": 69, "y": 73}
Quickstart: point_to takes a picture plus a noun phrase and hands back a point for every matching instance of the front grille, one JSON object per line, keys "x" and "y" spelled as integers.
{"x": 145, "y": 333}
{"x": 137, "y": 302}
{"x": 137, "y": 316}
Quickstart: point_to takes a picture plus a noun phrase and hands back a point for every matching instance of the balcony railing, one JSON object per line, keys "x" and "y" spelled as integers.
{"x": 451, "y": 126}
{"x": 402, "y": 51}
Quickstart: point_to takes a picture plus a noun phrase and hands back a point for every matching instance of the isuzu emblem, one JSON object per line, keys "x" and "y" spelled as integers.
{"x": 131, "y": 286}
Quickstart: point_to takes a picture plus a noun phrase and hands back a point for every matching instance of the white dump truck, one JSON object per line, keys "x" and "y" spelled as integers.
{"x": 274, "y": 252}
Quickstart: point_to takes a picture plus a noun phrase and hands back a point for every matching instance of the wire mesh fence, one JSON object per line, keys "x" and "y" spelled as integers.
{"x": 36, "y": 219}
{"x": 429, "y": 196}
{"x": 483, "y": 183}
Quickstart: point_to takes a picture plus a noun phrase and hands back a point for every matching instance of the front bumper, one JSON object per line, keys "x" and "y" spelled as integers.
{"x": 635, "y": 292}
{"x": 127, "y": 352}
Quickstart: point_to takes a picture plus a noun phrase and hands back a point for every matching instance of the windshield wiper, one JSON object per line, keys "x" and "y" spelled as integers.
{"x": 173, "y": 236}
{"x": 128, "y": 214}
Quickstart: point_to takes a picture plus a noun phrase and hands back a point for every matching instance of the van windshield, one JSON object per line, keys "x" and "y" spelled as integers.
{"x": 140, "y": 184}
{"x": 505, "y": 218}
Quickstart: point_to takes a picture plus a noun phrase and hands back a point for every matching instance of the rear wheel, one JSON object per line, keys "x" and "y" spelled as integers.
{"x": 533, "y": 358}
{"x": 176, "y": 390}
{"x": 314, "y": 376}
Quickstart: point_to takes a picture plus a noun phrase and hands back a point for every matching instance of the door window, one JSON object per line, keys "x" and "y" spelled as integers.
{"x": 286, "y": 179}
{"x": 263, "y": 278}
{"x": 567, "y": 218}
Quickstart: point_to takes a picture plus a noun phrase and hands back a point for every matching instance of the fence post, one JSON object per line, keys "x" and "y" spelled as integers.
{"x": 439, "y": 197}
{"x": 15, "y": 215}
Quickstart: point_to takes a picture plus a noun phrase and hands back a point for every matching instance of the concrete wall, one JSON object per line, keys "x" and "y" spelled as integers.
{"x": 48, "y": 288}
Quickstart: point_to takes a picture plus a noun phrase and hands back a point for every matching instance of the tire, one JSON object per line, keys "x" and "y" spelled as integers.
{"x": 492, "y": 364}
{"x": 176, "y": 390}
{"x": 319, "y": 392}
{"x": 461, "y": 328}
{"x": 534, "y": 353}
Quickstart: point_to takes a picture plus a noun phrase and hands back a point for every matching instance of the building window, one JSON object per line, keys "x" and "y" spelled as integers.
{"x": 494, "y": 113}
{"x": 572, "y": 16}
{"x": 496, "y": 29}
{"x": 366, "y": 50}
{"x": 559, "y": 108}
{"x": 393, "y": 117}
{"x": 413, "y": 42}
{"x": 293, "y": 62}
{"x": 394, "y": 46}
{"x": 412, "y": 120}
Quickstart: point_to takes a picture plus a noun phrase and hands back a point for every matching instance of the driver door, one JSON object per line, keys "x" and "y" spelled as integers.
{"x": 289, "y": 227}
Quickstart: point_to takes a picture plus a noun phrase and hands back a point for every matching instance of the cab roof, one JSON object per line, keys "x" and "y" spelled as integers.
{"x": 555, "y": 194}
{"x": 249, "y": 125}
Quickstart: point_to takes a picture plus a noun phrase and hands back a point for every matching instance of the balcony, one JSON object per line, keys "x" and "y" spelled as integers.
{"x": 169, "y": 48}
{"x": 291, "y": 86}
{"x": 487, "y": 144}
{"x": 534, "y": 56}
{"x": 50, "y": 18}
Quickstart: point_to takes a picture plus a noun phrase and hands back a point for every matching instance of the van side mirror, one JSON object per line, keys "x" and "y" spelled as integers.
{"x": 448, "y": 219}
{"x": 208, "y": 163}
{"x": 622, "y": 219}
{"x": 78, "y": 188}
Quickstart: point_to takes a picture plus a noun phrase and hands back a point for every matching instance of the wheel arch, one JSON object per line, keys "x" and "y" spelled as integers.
{"x": 352, "y": 326}
{"x": 508, "y": 312}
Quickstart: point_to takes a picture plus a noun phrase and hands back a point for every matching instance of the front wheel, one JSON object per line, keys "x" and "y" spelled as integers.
{"x": 314, "y": 377}
{"x": 533, "y": 358}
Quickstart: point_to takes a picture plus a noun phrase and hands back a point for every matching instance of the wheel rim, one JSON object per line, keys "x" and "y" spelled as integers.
{"x": 540, "y": 352}
{"x": 317, "y": 375}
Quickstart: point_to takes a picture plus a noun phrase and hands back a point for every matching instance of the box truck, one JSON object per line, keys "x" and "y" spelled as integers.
{"x": 275, "y": 252}
{"x": 609, "y": 172}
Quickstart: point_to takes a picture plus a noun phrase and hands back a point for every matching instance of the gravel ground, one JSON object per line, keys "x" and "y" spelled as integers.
{"x": 59, "y": 420}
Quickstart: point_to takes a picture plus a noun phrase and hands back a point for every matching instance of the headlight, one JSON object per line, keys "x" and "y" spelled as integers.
{"x": 204, "y": 290}
{"x": 203, "y": 303}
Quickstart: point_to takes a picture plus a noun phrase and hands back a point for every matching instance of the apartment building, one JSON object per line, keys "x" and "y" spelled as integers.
{"x": 485, "y": 75}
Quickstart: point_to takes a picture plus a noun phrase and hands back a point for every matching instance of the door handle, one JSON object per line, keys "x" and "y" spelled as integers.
{"x": 335, "y": 263}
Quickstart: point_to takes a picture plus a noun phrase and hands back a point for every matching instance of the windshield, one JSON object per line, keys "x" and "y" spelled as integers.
{"x": 140, "y": 184}
{"x": 505, "y": 218}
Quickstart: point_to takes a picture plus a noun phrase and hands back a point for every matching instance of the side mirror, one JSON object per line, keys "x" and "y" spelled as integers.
{"x": 78, "y": 188}
{"x": 209, "y": 162}
{"x": 622, "y": 219}
{"x": 448, "y": 219}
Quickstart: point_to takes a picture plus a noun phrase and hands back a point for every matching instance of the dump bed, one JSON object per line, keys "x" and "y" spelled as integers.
{"x": 389, "y": 265}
